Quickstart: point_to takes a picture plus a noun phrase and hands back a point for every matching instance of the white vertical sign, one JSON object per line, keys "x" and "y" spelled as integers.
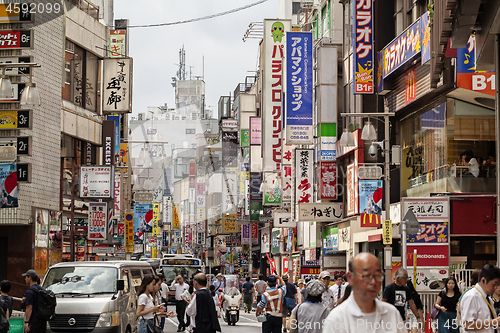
{"x": 167, "y": 209}
{"x": 97, "y": 221}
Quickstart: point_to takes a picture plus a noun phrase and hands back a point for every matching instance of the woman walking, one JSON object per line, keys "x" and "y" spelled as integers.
{"x": 447, "y": 304}
{"x": 145, "y": 304}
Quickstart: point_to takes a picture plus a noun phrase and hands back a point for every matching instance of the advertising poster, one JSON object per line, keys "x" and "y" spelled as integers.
{"x": 117, "y": 43}
{"x": 55, "y": 231}
{"x": 431, "y": 233}
{"x": 299, "y": 92}
{"x": 255, "y": 130}
{"x": 55, "y": 257}
{"x": 41, "y": 227}
{"x": 370, "y": 196}
{"x": 123, "y": 155}
{"x": 143, "y": 221}
{"x": 41, "y": 261}
{"x": 245, "y": 138}
{"x": 95, "y": 182}
{"x": 8, "y": 185}
{"x": 362, "y": 47}
{"x": 330, "y": 240}
{"x": 176, "y": 223}
{"x": 97, "y": 221}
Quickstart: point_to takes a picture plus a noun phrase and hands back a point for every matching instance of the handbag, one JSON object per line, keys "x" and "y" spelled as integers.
{"x": 290, "y": 302}
{"x": 434, "y": 312}
{"x": 261, "y": 318}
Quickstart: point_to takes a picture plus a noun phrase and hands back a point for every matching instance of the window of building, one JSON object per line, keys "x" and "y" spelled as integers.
{"x": 81, "y": 67}
{"x": 325, "y": 16}
{"x": 449, "y": 148}
{"x": 190, "y": 131}
{"x": 347, "y": 29}
{"x": 295, "y": 8}
{"x": 484, "y": 247}
{"x": 398, "y": 17}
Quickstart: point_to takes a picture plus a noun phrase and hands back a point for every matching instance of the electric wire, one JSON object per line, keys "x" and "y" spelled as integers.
{"x": 199, "y": 18}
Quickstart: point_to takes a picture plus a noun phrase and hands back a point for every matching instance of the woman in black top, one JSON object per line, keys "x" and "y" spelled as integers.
{"x": 447, "y": 304}
{"x": 6, "y": 301}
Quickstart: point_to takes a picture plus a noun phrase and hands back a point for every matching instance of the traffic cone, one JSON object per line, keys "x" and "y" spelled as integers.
{"x": 428, "y": 324}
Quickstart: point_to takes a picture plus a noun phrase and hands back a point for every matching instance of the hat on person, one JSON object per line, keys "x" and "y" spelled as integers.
{"x": 271, "y": 278}
{"x": 31, "y": 273}
{"x": 301, "y": 281}
{"x": 218, "y": 275}
{"x": 324, "y": 274}
{"x": 315, "y": 287}
{"x": 285, "y": 276}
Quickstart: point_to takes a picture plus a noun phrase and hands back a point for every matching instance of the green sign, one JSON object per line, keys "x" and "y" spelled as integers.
{"x": 255, "y": 208}
{"x": 272, "y": 196}
{"x": 275, "y": 245}
{"x": 245, "y": 138}
{"x": 81, "y": 222}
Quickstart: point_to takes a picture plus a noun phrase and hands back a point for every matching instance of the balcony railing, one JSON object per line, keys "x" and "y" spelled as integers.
{"x": 87, "y": 7}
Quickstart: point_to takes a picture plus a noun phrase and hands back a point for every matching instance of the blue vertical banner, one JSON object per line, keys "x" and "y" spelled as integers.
{"x": 117, "y": 135}
{"x": 299, "y": 88}
{"x": 363, "y": 47}
{"x": 143, "y": 221}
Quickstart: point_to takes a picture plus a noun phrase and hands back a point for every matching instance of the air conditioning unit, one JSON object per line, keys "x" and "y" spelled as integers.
{"x": 141, "y": 116}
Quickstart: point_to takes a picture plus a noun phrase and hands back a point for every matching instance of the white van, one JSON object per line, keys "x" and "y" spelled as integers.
{"x": 95, "y": 296}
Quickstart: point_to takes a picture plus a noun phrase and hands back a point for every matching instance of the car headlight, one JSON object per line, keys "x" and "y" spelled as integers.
{"x": 108, "y": 319}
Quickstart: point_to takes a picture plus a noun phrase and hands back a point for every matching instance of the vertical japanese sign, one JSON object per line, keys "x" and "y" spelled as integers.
{"x": 156, "y": 219}
{"x": 286, "y": 175}
{"x": 175, "y": 224}
{"x": 167, "y": 210}
{"x": 117, "y": 196}
{"x": 352, "y": 189}
{"x": 229, "y": 149}
{"x": 304, "y": 173}
{"x": 255, "y": 130}
{"x": 123, "y": 154}
{"x": 363, "y": 47}
{"x": 117, "y": 43}
{"x": 108, "y": 140}
{"x": 117, "y": 90}
{"x": 97, "y": 221}
{"x": 299, "y": 92}
{"x": 129, "y": 232}
{"x": 272, "y": 113}
{"x": 328, "y": 180}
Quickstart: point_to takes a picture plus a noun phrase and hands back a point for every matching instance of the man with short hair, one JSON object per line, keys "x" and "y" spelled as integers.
{"x": 290, "y": 297}
{"x": 218, "y": 284}
{"x": 248, "y": 290}
{"x": 203, "y": 321}
{"x": 477, "y": 307}
{"x": 180, "y": 303}
{"x": 398, "y": 294}
{"x": 327, "y": 297}
{"x": 362, "y": 312}
{"x": 338, "y": 289}
{"x": 31, "y": 322}
{"x": 260, "y": 286}
{"x": 271, "y": 303}
{"x": 164, "y": 291}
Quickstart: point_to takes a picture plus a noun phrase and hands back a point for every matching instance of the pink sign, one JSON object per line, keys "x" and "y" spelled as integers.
{"x": 304, "y": 170}
{"x": 428, "y": 255}
{"x": 328, "y": 180}
{"x": 255, "y": 130}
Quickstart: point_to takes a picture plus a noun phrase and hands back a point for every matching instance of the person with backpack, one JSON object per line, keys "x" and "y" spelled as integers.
{"x": 6, "y": 305}
{"x": 32, "y": 323}
{"x": 290, "y": 300}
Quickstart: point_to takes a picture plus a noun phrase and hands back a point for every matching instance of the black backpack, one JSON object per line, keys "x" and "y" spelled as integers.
{"x": 4, "y": 323}
{"x": 47, "y": 302}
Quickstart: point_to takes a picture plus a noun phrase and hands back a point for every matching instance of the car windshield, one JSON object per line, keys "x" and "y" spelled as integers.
{"x": 81, "y": 280}
{"x": 186, "y": 272}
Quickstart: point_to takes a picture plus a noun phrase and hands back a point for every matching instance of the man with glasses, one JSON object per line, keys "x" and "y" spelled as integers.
{"x": 362, "y": 312}
{"x": 398, "y": 294}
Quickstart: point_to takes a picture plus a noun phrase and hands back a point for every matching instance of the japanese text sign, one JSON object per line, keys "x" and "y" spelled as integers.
{"x": 431, "y": 209}
{"x": 117, "y": 89}
{"x": 129, "y": 232}
{"x": 167, "y": 209}
{"x": 16, "y": 39}
{"x": 352, "y": 190}
{"x": 299, "y": 92}
{"x": 229, "y": 223}
{"x": 320, "y": 211}
{"x": 95, "y": 182}
{"x": 97, "y": 221}
{"x": 117, "y": 43}
{"x": 431, "y": 232}
{"x": 272, "y": 88}
{"x": 255, "y": 130}
{"x": 304, "y": 173}
{"x": 328, "y": 180}
{"x": 363, "y": 47}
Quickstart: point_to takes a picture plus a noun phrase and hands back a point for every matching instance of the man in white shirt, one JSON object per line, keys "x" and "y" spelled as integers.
{"x": 218, "y": 284}
{"x": 362, "y": 312}
{"x": 206, "y": 321}
{"x": 180, "y": 304}
{"x": 327, "y": 297}
{"x": 164, "y": 291}
{"x": 338, "y": 289}
{"x": 477, "y": 307}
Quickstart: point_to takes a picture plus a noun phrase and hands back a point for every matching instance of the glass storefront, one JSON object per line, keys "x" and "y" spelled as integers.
{"x": 449, "y": 148}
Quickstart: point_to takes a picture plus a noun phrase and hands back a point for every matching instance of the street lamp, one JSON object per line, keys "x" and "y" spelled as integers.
{"x": 369, "y": 134}
{"x": 30, "y": 95}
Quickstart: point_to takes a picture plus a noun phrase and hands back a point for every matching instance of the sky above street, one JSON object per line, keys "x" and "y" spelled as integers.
{"x": 155, "y": 50}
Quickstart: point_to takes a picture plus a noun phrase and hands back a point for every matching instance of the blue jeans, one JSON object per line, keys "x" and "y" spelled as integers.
{"x": 143, "y": 327}
{"x": 446, "y": 324}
